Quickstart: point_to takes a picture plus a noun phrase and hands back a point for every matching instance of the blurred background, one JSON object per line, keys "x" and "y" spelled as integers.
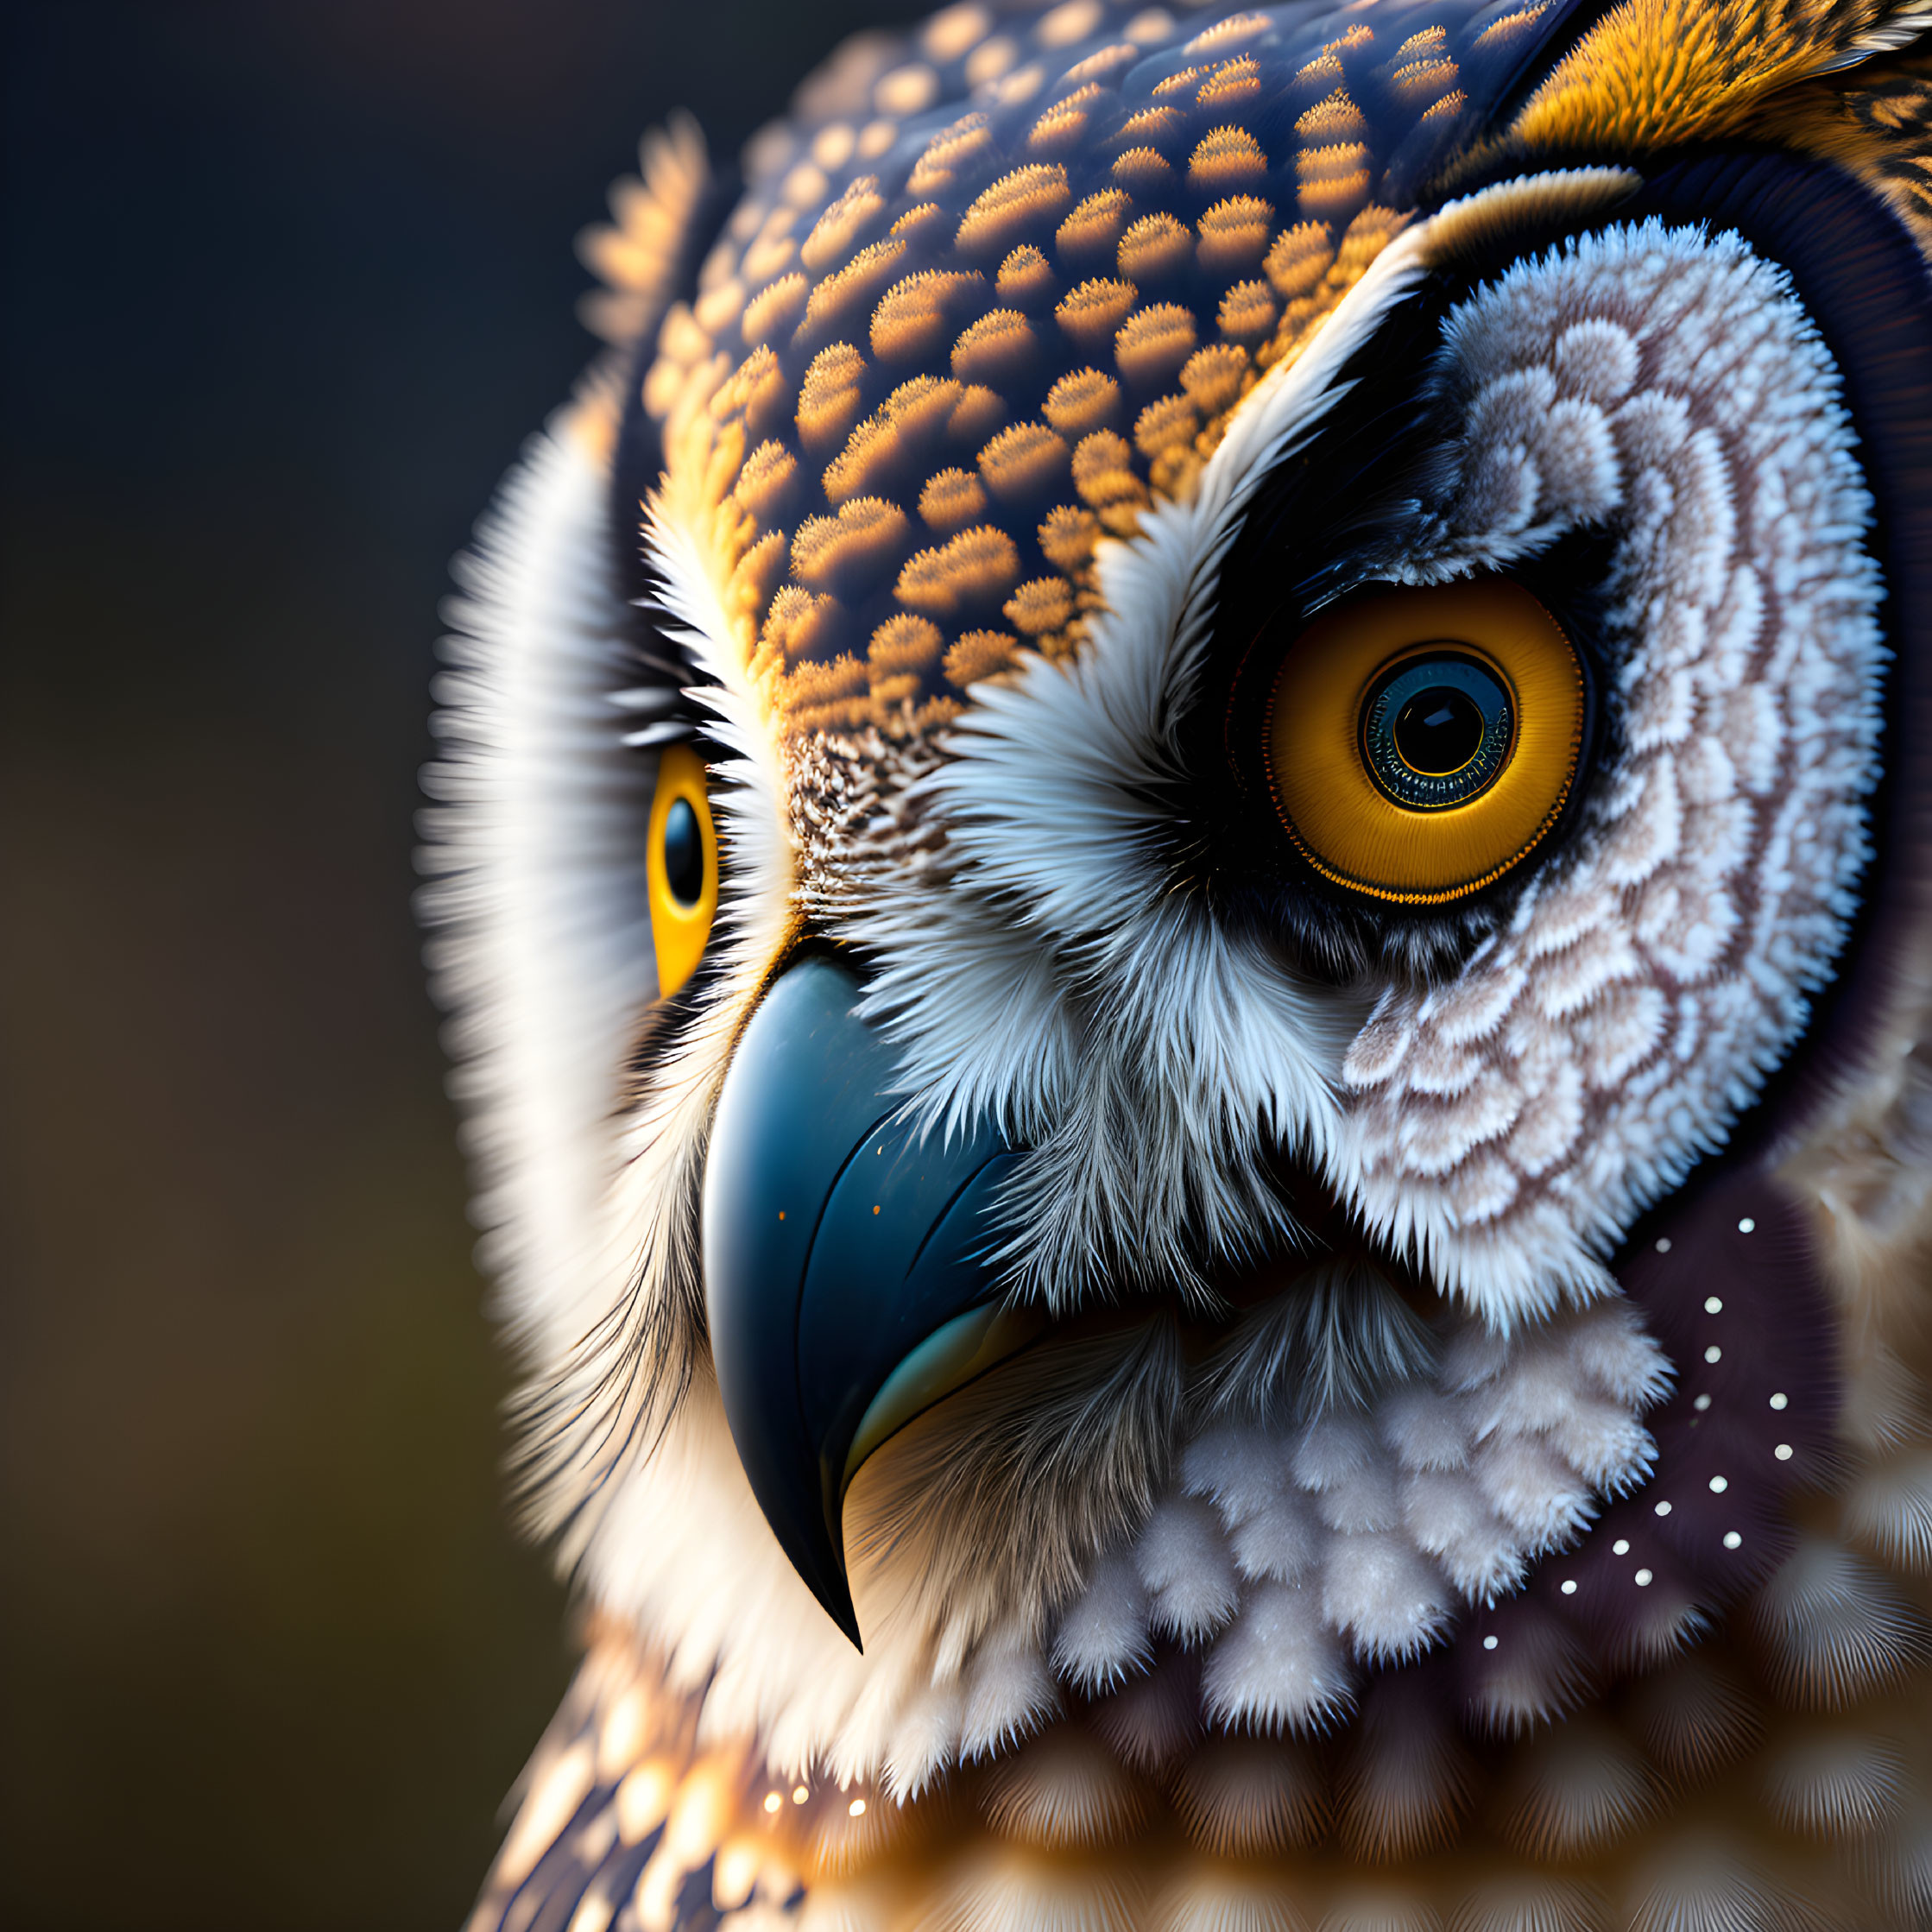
{"x": 286, "y": 283}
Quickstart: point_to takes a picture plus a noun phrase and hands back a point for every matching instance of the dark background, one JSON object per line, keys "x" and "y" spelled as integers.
{"x": 287, "y": 281}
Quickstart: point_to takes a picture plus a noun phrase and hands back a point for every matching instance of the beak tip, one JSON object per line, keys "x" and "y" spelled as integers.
{"x": 835, "y": 1600}
{"x": 811, "y": 1310}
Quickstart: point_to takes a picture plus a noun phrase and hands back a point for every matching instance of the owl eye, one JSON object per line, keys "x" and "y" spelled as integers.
{"x": 1421, "y": 741}
{"x": 680, "y": 866}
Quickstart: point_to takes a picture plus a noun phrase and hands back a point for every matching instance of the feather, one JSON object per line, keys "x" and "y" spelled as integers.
{"x": 1890, "y": 1508}
{"x": 925, "y": 1741}
{"x": 1896, "y": 29}
{"x": 1241, "y": 1469}
{"x": 1390, "y": 1601}
{"x": 1277, "y": 1668}
{"x": 1833, "y": 1628}
{"x": 874, "y": 1904}
{"x": 1407, "y": 1779}
{"x": 1241, "y": 1797}
{"x": 1574, "y": 1791}
{"x": 1216, "y": 1899}
{"x": 1704, "y": 1883}
{"x": 1102, "y": 1635}
{"x": 993, "y": 1890}
{"x": 1695, "y": 1716}
{"x": 1519, "y": 1904}
{"x": 1428, "y": 1430}
{"x": 1063, "y": 1789}
{"x": 1898, "y": 1863}
{"x": 1008, "y": 1697}
{"x": 854, "y": 1832}
{"x": 1183, "y": 1559}
{"x": 1334, "y": 1341}
{"x": 1523, "y": 1667}
{"x": 1450, "y": 1519}
{"x": 1379, "y": 1909}
{"x": 1834, "y": 1784}
{"x": 1153, "y": 1721}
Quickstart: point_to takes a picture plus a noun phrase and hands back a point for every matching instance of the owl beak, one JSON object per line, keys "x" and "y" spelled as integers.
{"x": 846, "y": 1277}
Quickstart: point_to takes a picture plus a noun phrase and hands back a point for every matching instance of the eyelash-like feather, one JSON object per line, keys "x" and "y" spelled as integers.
{"x": 1334, "y": 1341}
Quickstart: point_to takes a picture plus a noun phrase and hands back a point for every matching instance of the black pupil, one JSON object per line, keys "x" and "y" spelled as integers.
{"x": 684, "y": 853}
{"x": 1438, "y": 731}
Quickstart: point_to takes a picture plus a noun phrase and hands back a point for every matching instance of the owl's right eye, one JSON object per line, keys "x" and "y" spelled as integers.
{"x": 1421, "y": 741}
{"x": 680, "y": 866}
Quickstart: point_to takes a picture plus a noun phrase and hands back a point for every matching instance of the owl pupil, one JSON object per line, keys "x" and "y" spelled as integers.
{"x": 1437, "y": 729}
{"x": 684, "y": 853}
{"x": 1438, "y": 732}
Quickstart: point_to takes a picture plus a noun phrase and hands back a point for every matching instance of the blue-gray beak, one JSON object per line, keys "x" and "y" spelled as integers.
{"x": 846, "y": 1269}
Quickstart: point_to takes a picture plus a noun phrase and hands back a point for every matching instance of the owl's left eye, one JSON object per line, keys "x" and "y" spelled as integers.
{"x": 680, "y": 866}
{"x": 1420, "y": 742}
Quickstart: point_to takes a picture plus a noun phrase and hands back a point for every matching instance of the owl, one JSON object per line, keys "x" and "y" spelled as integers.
{"x": 1183, "y": 857}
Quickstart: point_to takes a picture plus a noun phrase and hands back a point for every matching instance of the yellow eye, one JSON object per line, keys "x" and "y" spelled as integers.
{"x": 680, "y": 864}
{"x": 1420, "y": 742}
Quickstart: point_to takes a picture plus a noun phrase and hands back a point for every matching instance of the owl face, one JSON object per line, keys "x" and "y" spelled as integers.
{"x": 1168, "y": 1010}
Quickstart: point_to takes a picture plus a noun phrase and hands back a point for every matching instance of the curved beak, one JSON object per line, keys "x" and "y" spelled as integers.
{"x": 846, "y": 1276}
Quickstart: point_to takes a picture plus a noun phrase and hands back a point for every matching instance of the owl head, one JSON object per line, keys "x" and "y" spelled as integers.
{"x": 1185, "y": 864}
